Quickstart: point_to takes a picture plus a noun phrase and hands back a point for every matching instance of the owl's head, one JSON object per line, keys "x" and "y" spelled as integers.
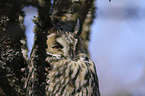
{"x": 64, "y": 44}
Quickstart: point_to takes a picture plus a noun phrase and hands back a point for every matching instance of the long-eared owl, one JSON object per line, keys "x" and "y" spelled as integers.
{"x": 71, "y": 71}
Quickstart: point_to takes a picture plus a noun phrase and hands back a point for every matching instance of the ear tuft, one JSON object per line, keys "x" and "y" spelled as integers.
{"x": 78, "y": 28}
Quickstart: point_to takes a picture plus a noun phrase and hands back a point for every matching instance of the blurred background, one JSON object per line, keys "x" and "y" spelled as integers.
{"x": 117, "y": 45}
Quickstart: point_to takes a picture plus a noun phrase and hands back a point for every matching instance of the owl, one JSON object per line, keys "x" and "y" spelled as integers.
{"x": 71, "y": 71}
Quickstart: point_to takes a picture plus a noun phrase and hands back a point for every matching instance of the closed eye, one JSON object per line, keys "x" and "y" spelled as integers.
{"x": 57, "y": 46}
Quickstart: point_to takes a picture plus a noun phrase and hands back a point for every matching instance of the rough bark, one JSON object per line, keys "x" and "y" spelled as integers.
{"x": 11, "y": 58}
{"x": 36, "y": 86}
{"x": 86, "y": 28}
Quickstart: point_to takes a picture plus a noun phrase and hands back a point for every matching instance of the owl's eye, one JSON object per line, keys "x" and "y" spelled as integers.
{"x": 57, "y": 46}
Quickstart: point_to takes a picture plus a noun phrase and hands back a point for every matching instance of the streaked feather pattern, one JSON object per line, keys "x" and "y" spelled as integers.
{"x": 71, "y": 73}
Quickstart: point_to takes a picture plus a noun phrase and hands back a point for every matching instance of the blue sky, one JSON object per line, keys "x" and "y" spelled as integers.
{"x": 118, "y": 46}
{"x": 30, "y": 12}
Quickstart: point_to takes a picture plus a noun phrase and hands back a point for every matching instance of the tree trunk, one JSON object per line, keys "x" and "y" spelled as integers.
{"x": 11, "y": 59}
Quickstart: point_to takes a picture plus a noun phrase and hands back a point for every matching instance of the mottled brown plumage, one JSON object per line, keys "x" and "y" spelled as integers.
{"x": 71, "y": 72}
